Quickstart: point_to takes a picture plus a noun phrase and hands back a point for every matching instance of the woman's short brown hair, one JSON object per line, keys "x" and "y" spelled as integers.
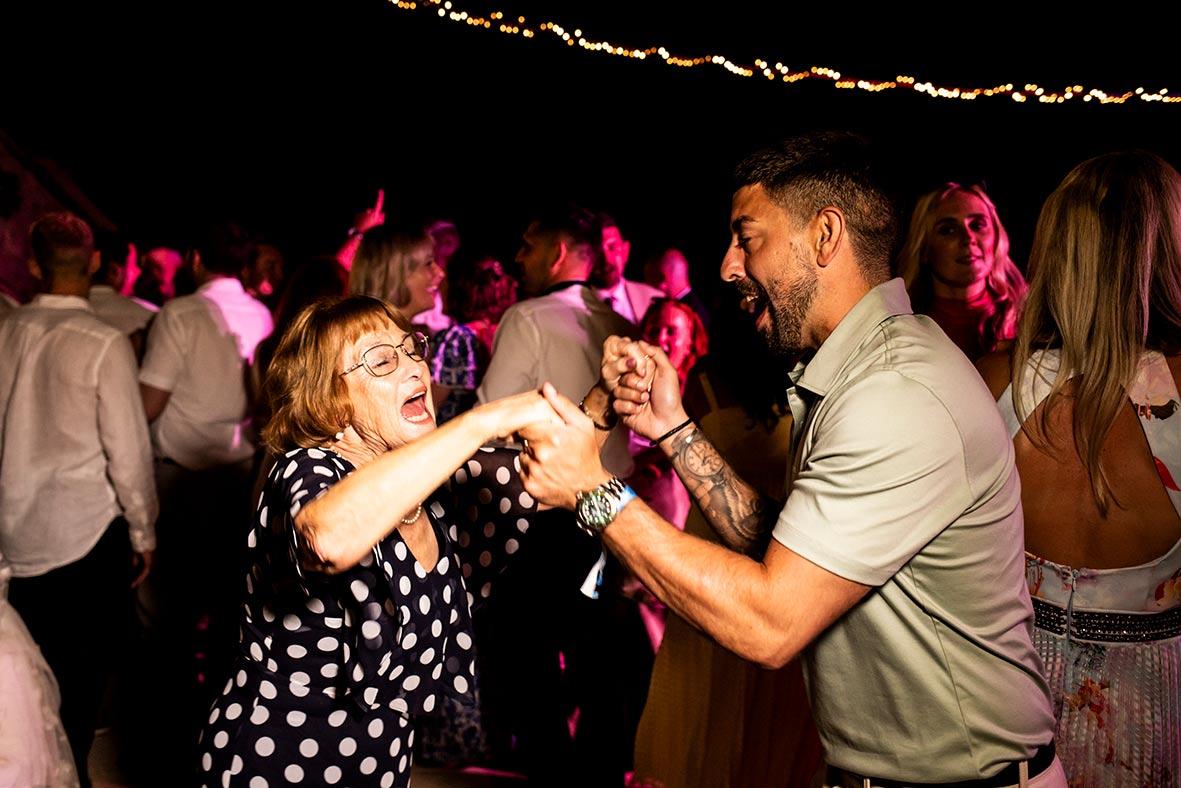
{"x": 308, "y": 398}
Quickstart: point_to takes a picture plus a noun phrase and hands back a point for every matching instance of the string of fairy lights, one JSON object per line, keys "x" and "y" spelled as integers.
{"x": 497, "y": 21}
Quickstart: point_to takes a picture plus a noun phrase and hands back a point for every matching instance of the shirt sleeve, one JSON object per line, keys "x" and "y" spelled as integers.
{"x": 164, "y": 357}
{"x": 298, "y": 478}
{"x": 123, "y": 431}
{"x": 885, "y": 474}
{"x": 493, "y": 513}
{"x": 515, "y": 351}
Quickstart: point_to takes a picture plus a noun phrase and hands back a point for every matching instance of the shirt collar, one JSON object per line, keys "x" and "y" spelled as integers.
{"x": 878, "y": 305}
{"x": 51, "y": 301}
{"x": 556, "y": 286}
{"x": 223, "y": 284}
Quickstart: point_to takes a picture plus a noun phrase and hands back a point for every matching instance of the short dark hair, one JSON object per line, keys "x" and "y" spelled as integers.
{"x": 226, "y": 248}
{"x": 112, "y": 247}
{"x": 62, "y": 243}
{"x": 575, "y": 222}
{"x": 807, "y": 173}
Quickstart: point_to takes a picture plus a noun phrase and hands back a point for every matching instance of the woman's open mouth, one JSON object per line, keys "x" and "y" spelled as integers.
{"x": 415, "y": 410}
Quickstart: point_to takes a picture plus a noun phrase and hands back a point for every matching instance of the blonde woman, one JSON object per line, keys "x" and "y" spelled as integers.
{"x": 1089, "y": 391}
{"x": 956, "y": 265}
{"x": 398, "y": 265}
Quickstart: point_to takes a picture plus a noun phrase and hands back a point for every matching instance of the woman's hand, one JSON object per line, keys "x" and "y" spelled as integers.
{"x": 620, "y": 356}
{"x": 502, "y": 418}
{"x": 648, "y": 393}
{"x": 562, "y": 459}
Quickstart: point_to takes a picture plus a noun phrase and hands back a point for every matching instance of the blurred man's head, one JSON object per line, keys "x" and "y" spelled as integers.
{"x": 560, "y": 245}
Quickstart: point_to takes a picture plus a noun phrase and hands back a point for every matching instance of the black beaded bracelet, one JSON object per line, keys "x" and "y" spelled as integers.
{"x": 672, "y": 432}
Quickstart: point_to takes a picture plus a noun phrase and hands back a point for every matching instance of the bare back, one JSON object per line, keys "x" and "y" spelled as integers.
{"x": 1062, "y": 520}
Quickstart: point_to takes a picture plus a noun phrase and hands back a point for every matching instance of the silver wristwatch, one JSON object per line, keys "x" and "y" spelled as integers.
{"x": 597, "y": 508}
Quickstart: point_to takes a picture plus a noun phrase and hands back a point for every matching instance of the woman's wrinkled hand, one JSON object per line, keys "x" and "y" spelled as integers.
{"x": 504, "y": 418}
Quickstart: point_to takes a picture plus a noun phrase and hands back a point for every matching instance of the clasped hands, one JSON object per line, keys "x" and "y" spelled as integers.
{"x": 561, "y": 458}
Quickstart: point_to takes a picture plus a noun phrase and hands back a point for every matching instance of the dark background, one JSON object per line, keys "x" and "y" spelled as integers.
{"x": 289, "y": 117}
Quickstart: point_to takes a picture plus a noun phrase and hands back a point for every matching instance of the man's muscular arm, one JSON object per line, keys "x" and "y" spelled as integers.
{"x": 647, "y": 396}
{"x": 733, "y": 508}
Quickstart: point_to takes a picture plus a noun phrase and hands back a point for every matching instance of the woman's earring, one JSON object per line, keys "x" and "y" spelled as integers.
{"x": 340, "y": 435}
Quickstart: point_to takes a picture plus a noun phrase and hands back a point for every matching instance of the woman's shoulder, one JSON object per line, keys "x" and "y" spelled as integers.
{"x": 997, "y": 369}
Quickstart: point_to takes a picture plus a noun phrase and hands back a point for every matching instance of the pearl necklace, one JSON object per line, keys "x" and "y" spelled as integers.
{"x": 414, "y": 519}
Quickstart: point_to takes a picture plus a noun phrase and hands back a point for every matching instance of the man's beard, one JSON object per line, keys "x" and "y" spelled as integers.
{"x": 787, "y": 304}
{"x": 788, "y": 307}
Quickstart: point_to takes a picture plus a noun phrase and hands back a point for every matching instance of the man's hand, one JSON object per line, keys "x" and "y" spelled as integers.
{"x": 648, "y": 393}
{"x": 141, "y": 563}
{"x": 561, "y": 460}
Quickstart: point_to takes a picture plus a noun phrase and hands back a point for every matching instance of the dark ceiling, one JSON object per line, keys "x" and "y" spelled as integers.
{"x": 291, "y": 116}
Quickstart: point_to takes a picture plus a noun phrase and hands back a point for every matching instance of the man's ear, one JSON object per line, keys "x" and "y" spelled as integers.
{"x": 95, "y": 261}
{"x": 829, "y": 235}
{"x": 34, "y": 269}
{"x": 563, "y": 253}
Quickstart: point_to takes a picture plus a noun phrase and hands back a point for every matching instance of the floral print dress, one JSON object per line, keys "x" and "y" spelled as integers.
{"x": 1111, "y": 638}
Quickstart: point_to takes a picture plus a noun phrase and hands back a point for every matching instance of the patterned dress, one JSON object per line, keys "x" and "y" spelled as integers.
{"x": 1111, "y": 638}
{"x": 333, "y": 669}
{"x": 457, "y": 361}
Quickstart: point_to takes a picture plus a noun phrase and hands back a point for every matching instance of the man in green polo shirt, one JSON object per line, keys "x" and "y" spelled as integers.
{"x": 895, "y": 569}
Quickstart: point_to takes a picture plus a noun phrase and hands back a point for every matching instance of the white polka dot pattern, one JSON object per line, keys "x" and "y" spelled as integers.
{"x": 334, "y": 665}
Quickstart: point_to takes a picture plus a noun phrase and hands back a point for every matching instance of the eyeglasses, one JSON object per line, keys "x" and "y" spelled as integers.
{"x": 381, "y": 360}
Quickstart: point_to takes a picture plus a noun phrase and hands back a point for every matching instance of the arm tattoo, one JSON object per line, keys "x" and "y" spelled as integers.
{"x": 734, "y": 509}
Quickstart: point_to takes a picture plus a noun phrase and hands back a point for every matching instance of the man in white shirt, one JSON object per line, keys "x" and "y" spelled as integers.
{"x": 76, "y": 489}
{"x": 557, "y": 336}
{"x": 109, "y": 305}
{"x": 193, "y": 382}
{"x": 629, "y": 298}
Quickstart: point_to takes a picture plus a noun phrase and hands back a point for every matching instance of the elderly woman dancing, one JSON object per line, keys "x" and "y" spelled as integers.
{"x": 356, "y": 611}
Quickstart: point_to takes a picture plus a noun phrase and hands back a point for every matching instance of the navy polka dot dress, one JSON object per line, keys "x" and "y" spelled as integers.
{"x": 333, "y": 668}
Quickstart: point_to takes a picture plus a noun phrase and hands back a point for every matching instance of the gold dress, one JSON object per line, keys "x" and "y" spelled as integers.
{"x": 713, "y": 719}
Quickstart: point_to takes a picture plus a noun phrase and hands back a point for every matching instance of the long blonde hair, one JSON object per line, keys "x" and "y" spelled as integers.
{"x": 1005, "y": 284}
{"x": 1105, "y": 284}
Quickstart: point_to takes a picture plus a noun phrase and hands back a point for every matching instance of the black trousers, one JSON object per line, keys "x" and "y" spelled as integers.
{"x": 80, "y": 616}
{"x": 189, "y": 610}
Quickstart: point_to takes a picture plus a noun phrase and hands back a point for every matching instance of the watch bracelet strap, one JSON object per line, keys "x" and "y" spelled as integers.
{"x": 623, "y": 496}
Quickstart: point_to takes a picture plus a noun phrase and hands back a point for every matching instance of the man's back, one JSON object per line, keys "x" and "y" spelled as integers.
{"x": 557, "y": 338}
{"x": 198, "y": 349}
{"x": 74, "y": 449}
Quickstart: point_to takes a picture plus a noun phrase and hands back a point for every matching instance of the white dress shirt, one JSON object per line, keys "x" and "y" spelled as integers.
{"x": 557, "y": 337}
{"x": 73, "y": 437}
{"x": 630, "y": 299}
{"x": 198, "y": 349}
{"x": 119, "y": 311}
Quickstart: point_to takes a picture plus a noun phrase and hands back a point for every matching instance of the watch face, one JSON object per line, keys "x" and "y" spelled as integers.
{"x": 596, "y": 509}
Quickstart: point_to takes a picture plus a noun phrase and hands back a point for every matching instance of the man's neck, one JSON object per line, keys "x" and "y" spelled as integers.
{"x": 562, "y": 285}
{"x": 70, "y": 287}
